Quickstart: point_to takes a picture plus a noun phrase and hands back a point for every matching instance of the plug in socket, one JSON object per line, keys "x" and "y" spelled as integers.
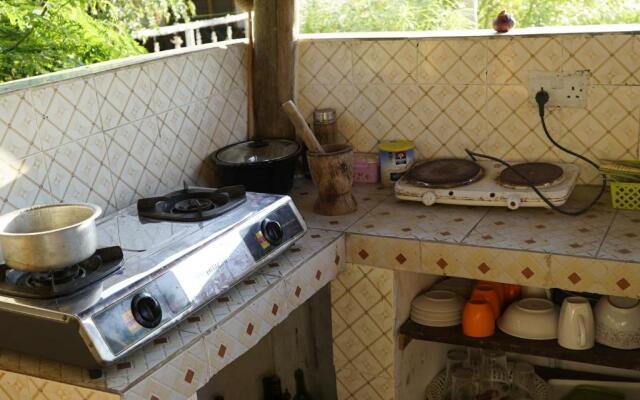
{"x": 566, "y": 89}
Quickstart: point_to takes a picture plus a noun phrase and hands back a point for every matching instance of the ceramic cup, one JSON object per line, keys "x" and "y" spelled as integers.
{"x": 490, "y": 294}
{"x": 618, "y": 322}
{"x": 477, "y": 319}
{"x": 576, "y": 329}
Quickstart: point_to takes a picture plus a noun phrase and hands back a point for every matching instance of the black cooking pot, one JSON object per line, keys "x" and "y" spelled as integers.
{"x": 263, "y": 165}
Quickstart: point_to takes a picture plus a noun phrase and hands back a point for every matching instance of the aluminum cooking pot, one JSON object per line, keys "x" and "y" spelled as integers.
{"x": 49, "y": 237}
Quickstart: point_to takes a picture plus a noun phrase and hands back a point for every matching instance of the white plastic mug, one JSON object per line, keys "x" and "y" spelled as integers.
{"x": 576, "y": 329}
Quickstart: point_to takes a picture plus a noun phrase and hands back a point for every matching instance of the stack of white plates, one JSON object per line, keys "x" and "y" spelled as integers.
{"x": 438, "y": 308}
{"x": 461, "y": 286}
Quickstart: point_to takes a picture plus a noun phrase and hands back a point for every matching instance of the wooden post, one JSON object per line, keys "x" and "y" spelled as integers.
{"x": 274, "y": 63}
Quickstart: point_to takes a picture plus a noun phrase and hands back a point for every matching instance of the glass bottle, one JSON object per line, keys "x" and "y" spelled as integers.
{"x": 325, "y": 126}
{"x": 301, "y": 390}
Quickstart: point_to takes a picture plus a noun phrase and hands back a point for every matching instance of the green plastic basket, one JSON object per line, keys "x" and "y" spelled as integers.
{"x": 625, "y": 196}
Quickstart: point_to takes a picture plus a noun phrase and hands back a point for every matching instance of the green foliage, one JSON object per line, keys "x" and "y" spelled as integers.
{"x": 39, "y": 36}
{"x": 139, "y": 14}
{"x": 383, "y": 15}
{"x": 415, "y": 15}
{"x": 530, "y": 13}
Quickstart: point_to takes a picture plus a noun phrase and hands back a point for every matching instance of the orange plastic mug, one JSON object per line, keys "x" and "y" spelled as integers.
{"x": 477, "y": 319}
{"x": 500, "y": 289}
{"x": 490, "y": 294}
{"x": 511, "y": 293}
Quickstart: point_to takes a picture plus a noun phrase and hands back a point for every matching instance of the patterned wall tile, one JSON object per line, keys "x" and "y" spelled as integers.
{"x": 480, "y": 100}
{"x": 177, "y": 379}
{"x": 135, "y": 160}
{"x": 354, "y": 385}
{"x": 525, "y": 268}
{"x": 327, "y": 63}
{"x": 362, "y": 307}
{"x": 400, "y": 254}
{"x": 69, "y": 112}
{"x": 24, "y": 183}
{"x": 79, "y": 172}
{"x": 452, "y": 115}
{"x": 622, "y": 279}
{"x": 579, "y": 274}
{"x": 611, "y": 59}
{"x": 18, "y": 122}
{"x": 455, "y": 61}
{"x": 510, "y": 59}
{"x": 385, "y": 61}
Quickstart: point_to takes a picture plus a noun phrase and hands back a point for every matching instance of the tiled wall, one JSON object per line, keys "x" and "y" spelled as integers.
{"x": 448, "y": 94}
{"x": 115, "y": 136}
{"x": 362, "y": 310}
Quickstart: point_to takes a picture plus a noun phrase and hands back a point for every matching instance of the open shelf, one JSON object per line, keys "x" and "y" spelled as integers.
{"x": 598, "y": 355}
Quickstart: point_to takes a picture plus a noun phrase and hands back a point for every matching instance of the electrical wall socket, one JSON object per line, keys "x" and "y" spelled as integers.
{"x": 566, "y": 89}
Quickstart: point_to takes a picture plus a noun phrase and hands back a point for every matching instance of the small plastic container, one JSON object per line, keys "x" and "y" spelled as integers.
{"x": 365, "y": 168}
{"x": 625, "y": 196}
{"x": 396, "y": 158}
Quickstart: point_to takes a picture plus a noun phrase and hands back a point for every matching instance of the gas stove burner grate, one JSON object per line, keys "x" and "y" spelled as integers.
{"x": 540, "y": 174}
{"x": 446, "y": 173}
{"x": 192, "y": 204}
{"x": 55, "y": 278}
{"x": 64, "y": 282}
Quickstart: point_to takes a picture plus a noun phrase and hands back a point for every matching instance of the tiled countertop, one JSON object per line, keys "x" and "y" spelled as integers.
{"x": 177, "y": 364}
{"x": 602, "y": 233}
{"x": 597, "y": 251}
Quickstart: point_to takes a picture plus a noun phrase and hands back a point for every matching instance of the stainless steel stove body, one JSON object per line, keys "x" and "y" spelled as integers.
{"x": 170, "y": 269}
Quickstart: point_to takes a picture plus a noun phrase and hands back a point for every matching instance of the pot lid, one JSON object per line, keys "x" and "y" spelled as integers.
{"x": 256, "y": 151}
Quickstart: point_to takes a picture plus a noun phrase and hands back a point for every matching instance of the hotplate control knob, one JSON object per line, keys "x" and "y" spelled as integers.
{"x": 146, "y": 310}
{"x": 513, "y": 202}
{"x": 429, "y": 198}
{"x": 272, "y": 231}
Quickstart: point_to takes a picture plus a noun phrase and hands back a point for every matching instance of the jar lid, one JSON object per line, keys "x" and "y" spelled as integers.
{"x": 257, "y": 151}
{"x": 395, "y": 146}
{"x": 324, "y": 115}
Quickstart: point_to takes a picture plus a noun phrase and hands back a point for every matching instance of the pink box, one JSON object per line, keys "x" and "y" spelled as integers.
{"x": 365, "y": 168}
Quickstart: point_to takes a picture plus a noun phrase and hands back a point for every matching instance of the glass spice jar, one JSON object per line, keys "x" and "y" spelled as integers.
{"x": 325, "y": 126}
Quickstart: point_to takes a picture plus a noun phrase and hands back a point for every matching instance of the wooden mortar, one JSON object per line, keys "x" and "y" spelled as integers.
{"x": 332, "y": 174}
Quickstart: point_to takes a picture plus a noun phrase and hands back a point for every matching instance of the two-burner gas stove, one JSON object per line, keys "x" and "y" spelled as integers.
{"x": 157, "y": 262}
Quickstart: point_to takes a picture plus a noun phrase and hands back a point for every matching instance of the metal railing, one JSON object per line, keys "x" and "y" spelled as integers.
{"x": 191, "y": 30}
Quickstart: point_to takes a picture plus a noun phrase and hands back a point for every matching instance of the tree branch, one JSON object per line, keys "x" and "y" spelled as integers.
{"x": 45, "y": 8}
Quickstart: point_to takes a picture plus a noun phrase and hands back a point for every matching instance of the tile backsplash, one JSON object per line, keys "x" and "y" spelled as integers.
{"x": 115, "y": 136}
{"x": 448, "y": 94}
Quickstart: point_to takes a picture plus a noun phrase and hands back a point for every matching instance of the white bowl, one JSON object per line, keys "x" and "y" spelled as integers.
{"x": 531, "y": 318}
{"x": 618, "y": 322}
{"x": 438, "y": 301}
{"x": 437, "y": 324}
{"x": 436, "y": 317}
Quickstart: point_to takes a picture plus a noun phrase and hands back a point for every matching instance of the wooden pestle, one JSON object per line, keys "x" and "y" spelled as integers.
{"x": 302, "y": 129}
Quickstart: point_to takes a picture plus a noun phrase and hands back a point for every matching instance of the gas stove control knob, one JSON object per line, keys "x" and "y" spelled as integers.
{"x": 146, "y": 310}
{"x": 272, "y": 231}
